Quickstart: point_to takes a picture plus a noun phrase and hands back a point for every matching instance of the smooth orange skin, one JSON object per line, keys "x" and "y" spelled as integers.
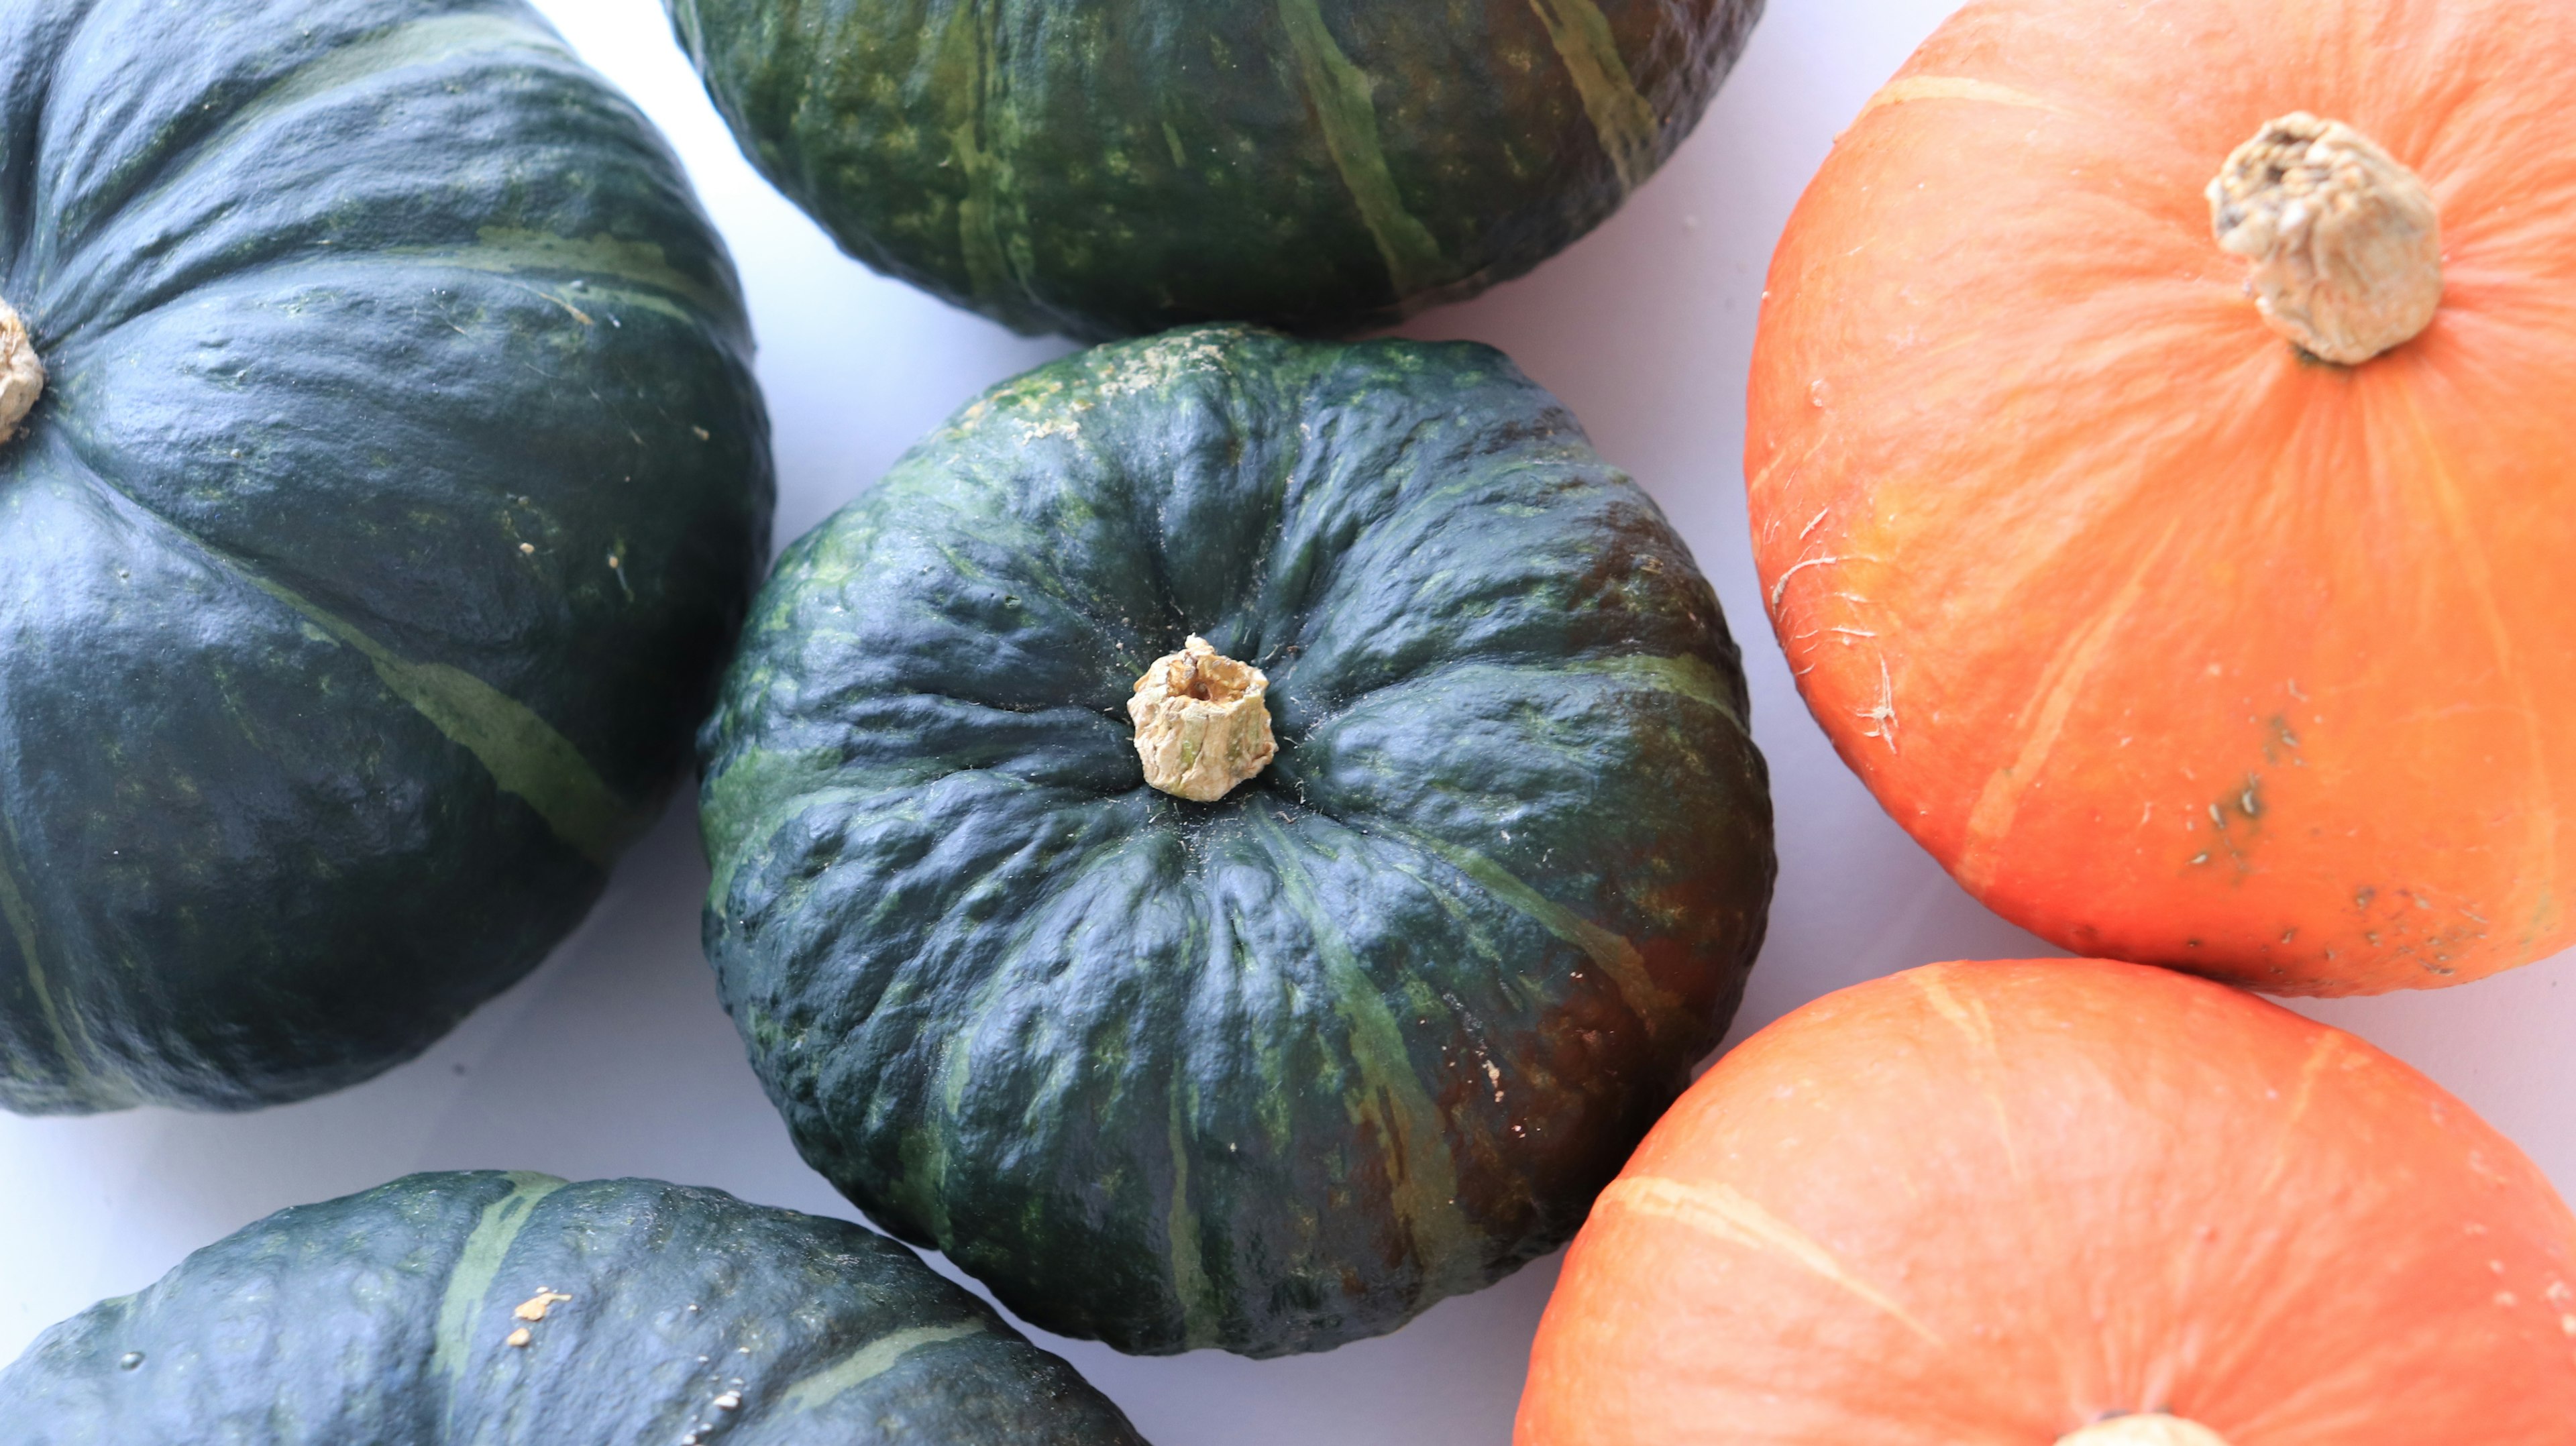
{"x": 2170, "y": 645}
{"x": 2007, "y": 1200}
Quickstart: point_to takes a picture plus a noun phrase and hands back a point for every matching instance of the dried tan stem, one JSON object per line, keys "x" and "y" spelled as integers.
{"x": 2346, "y": 244}
{"x": 22, "y": 372}
{"x": 1201, "y": 723}
{"x": 2152, "y": 1428}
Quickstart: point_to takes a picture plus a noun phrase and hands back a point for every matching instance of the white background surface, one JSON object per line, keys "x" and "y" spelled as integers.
{"x": 614, "y": 1059}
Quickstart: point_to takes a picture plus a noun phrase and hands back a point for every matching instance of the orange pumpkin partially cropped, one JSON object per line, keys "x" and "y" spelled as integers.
{"x": 2171, "y": 640}
{"x": 2069, "y": 1202}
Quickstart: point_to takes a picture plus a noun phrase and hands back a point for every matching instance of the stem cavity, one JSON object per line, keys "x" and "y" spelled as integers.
{"x": 2345, "y": 242}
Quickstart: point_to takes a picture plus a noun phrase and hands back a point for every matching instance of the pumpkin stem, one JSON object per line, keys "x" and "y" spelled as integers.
{"x": 2150, "y": 1428}
{"x": 2346, "y": 244}
{"x": 1201, "y": 724}
{"x": 22, "y": 372}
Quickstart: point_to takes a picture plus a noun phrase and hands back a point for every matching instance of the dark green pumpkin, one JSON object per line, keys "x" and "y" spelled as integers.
{"x": 663, "y": 1315}
{"x": 1120, "y": 166}
{"x": 398, "y": 488}
{"x": 1282, "y": 1070}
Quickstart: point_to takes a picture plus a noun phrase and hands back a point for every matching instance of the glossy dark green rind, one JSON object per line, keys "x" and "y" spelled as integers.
{"x": 398, "y": 487}
{"x": 1120, "y": 166}
{"x": 1279, "y": 1071}
{"x": 692, "y": 1317}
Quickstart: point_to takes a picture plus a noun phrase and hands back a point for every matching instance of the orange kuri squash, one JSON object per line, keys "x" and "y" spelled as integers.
{"x": 2071, "y": 1202}
{"x": 2162, "y": 457}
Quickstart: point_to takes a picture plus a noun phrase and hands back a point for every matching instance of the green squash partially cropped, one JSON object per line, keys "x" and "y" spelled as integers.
{"x": 1280, "y": 1070}
{"x": 490, "y": 1309}
{"x": 1120, "y": 166}
{"x": 396, "y": 489}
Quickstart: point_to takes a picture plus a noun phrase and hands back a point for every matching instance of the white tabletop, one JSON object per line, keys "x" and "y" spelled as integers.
{"x": 614, "y": 1059}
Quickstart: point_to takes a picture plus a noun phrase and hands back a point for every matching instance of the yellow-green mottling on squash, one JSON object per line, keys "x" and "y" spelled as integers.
{"x": 521, "y": 1310}
{"x": 395, "y": 487}
{"x": 1282, "y": 1069}
{"x": 1121, "y": 166}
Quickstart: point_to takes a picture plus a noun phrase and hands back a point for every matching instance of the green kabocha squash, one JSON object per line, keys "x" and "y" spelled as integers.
{"x": 518, "y": 1310}
{"x": 1120, "y": 166}
{"x": 395, "y": 489}
{"x": 1370, "y": 1029}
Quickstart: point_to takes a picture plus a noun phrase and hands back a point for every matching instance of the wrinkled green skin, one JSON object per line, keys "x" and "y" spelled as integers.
{"x": 342, "y": 302}
{"x": 1279, "y": 1071}
{"x": 384, "y": 1319}
{"x": 1120, "y": 166}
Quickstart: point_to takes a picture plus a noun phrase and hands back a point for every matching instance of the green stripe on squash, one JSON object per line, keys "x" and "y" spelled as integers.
{"x": 397, "y": 487}
{"x": 490, "y": 1309}
{"x": 1123, "y": 166}
{"x": 1278, "y": 1071}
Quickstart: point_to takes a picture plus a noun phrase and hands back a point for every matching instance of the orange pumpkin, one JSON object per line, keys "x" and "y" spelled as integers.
{"x": 2078, "y": 1202}
{"x": 2171, "y": 639}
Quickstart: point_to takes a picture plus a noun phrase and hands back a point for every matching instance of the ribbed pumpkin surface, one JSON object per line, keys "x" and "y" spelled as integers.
{"x": 1996, "y": 1204}
{"x": 1280, "y": 1070}
{"x": 1121, "y": 166}
{"x": 519, "y": 1310}
{"x": 398, "y": 486}
{"x": 2171, "y": 644}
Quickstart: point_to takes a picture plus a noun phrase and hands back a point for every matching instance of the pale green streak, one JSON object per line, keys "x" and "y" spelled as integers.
{"x": 1189, "y": 1271}
{"x": 1340, "y": 93}
{"x": 1423, "y": 1177}
{"x": 524, "y": 754}
{"x": 755, "y": 795}
{"x": 478, "y": 1263}
{"x": 1613, "y": 953}
{"x": 413, "y": 42}
{"x": 965, "y": 72}
{"x": 761, "y": 792}
{"x": 506, "y": 251}
{"x": 925, "y": 1151}
{"x": 21, "y": 916}
{"x": 1690, "y": 677}
{"x": 869, "y": 1362}
{"x": 443, "y": 37}
{"x": 1620, "y": 116}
